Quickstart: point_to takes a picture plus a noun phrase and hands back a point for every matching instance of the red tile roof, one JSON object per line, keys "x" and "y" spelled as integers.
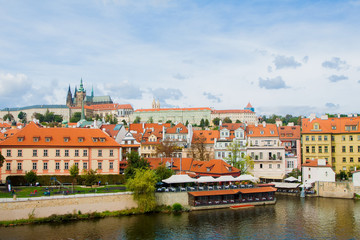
{"x": 232, "y": 111}
{"x": 214, "y": 167}
{"x": 249, "y": 105}
{"x": 232, "y": 126}
{"x": 110, "y": 129}
{"x": 289, "y": 132}
{"x": 331, "y": 125}
{"x": 57, "y": 135}
{"x": 208, "y": 136}
{"x": 233, "y": 191}
{"x": 111, "y": 106}
{"x": 172, "y": 109}
{"x": 173, "y": 129}
{"x": 255, "y": 131}
{"x": 257, "y": 190}
{"x": 313, "y": 163}
{"x": 5, "y": 125}
{"x": 185, "y": 163}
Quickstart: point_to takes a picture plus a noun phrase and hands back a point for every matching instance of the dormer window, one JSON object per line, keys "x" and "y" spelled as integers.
{"x": 80, "y": 139}
{"x": 47, "y": 139}
{"x": 35, "y": 139}
{"x": 66, "y": 139}
{"x": 20, "y": 139}
{"x": 316, "y": 126}
{"x": 272, "y": 132}
{"x": 333, "y": 127}
{"x": 250, "y": 132}
{"x": 102, "y": 139}
{"x": 94, "y": 139}
{"x": 261, "y": 132}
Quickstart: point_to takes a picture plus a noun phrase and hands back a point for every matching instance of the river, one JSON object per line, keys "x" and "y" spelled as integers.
{"x": 290, "y": 218}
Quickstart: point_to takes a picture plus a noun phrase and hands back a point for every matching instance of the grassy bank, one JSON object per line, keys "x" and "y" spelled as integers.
{"x": 80, "y": 216}
{"x": 26, "y": 192}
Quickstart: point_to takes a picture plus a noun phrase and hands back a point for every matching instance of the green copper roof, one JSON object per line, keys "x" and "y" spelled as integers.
{"x": 34, "y": 106}
{"x": 81, "y": 89}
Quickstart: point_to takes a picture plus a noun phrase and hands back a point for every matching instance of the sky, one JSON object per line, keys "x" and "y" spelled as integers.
{"x": 284, "y": 57}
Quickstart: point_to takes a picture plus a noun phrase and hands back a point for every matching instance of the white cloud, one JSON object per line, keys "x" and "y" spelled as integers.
{"x": 337, "y": 78}
{"x": 212, "y": 97}
{"x": 272, "y": 83}
{"x": 335, "y": 63}
{"x": 285, "y": 62}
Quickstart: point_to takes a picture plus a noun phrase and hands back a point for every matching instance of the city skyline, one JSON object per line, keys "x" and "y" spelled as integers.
{"x": 284, "y": 57}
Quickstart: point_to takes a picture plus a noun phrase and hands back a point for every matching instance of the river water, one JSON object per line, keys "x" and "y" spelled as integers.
{"x": 290, "y": 218}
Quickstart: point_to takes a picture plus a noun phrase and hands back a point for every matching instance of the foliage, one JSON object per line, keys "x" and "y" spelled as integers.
{"x": 151, "y": 120}
{"x": 168, "y": 121}
{"x": 22, "y": 116}
{"x": 207, "y": 123}
{"x": 187, "y": 123}
{"x": 8, "y": 117}
{"x": 241, "y": 162}
{"x": 238, "y": 121}
{"x": 48, "y": 117}
{"x": 342, "y": 175}
{"x": 162, "y": 172}
{"x": 75, "y": 117}
{"x": 135, "y": 161}
{"x": 227, "y": 120}
{"x": 166, "y": 147}
{"x": 97, "y": 117}
{"x": 177, "y": 207}
{"x": 30, "y": 177}
{"x": 285, "y": 120}
{"x": 198, "y": 148}
{"x": 74, "y": 171}
{"x": 124, "y": 122}
{"x": 143, "y": 186}
{"x": 295, "y": 173}
{"x": 216, "y": 121}
{"x": 202, "y": 123}
{"x": 111, "y": 119}
{"x": 90, "y": 177}
{"x": 137, "y": 119}
{"x": 2, "y": 160}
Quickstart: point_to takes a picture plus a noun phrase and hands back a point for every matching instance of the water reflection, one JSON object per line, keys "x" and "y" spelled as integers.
{"x": 290, "y": 218}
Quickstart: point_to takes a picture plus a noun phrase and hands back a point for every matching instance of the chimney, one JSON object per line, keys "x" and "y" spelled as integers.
{"x": 256, "y": 124}
{"x": 312, "y": 116}
{"x": 338, "y": 115}
{"x": 324, "y": 117}
{"x": 264, "y": 124}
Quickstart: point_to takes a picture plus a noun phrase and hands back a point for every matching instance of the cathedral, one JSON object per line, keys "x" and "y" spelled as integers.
{"x": 80, "y": 97}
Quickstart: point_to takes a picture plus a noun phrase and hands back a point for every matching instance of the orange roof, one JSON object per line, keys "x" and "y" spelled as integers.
{"x": 57, "y": 136}
{"x": 85, "y": 107}
{"x": 208, "y": 136}
{"x": 172, "y": 109}
{"x": 270, "y": 130}
{"x": 110, "y": 129}
{"x": 139, "y": 127}
{"x": 257, "y": 190}
{"x": 313, "y": 163}
{"x": 232, "y": 111}
{"x": 214, "y": 193}
{"x": 331, "y": 125}
{"x": 5, "y": 125}
{"x": 8, "y": 133}
{"x": 214, "y": 167}
{"x": 180, "y": 126}
{"x": 249, "y": 105}
{"x": 185, "y": 163}
{"x": 111, "y": 106}
{"x": 232, "y": 126}
{"x": 289, "y": 132}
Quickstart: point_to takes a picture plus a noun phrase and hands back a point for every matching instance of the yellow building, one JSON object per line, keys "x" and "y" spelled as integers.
{"x": 336, "y": 140}
{"x": 52, "y": 151}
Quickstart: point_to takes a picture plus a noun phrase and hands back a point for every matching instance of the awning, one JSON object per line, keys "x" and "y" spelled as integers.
{"x": 273, "y": 177}
{"x": 246, "y": 177}
{"x": 179, "y": 179}
{"x": 206, "y": 179}
{"x": 291, "y": 179}
{"x": 286, "y": 185}
{"x": 257, "y": 190}
{"x": 214, "y": 193}
{"x": 226, "y": 178}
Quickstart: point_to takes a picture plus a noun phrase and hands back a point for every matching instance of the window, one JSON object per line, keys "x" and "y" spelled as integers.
{"x": 102, "y": 139}
{"x": 270, "y": 165}
{"x": 325, "y": 138}
{"x": 66, "y": 166}
{"x": 358, "y": 137}
{"x": 45, "y": 165}
{"x": 278, "y": 166}
{"x": 85, "y": 153}
{"x": 111, "y": 153}
{"x": 80, "y": 139}
{"x": 290, "y": 164}
{"x": 307, "y": 138}
{"x": 261, "y": 132}
{"x": 319, "y": 138}
{"x": 313, "y": 149}
{"x": 8, "y": 166}
{"x": 19, "y": 153}
{"x": 333, "y": 149}
{"x": 344, "y": 159}
{"x": 20, "y": 139}
{"x": 320, "y": 149}
{"x": 359, "y": 159}
{"x": 45, "y": 152}
{"x": 111, "y": 165}
{"x": 351, "y": 149}
{"x": 307, "y": 149}
{"x": 312, "y": 138}
{"x": 34, "y": 153}
{"x": 261, "y": 155}
{"x": 85, "y": 165}
{"x": 350, "y": 138}
{"x": 19, "y": 165}
{"x": 261, "y": 166}
{"x": 66, "y": 153}
{"x": 326, "y": 149}
{"x": 351, "y": 159}
{"x": 99, "y": 165}
{"x": 35, "y": 139}
{"x": 47, "y": 139}
{"x": 76, "y": 153}
{"x": 343, "y": 138}
{"x": 333, "y": 160}
{"x": 332, "y": 138}
{"x": 57, "y": 153}
{"x": 57, "y": 166}
{"x": 34, "y": 165}
{"x": 66, "y": 139}
{"x": 99, "y": 153}
{"x": 8, "y": 153}
{"x": 343, "y": 149}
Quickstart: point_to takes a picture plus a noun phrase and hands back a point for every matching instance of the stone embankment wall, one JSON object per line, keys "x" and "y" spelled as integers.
{"x": 169, "y": 198}
{"x": 36, "y": 207}
{"x": 335, "y": 189}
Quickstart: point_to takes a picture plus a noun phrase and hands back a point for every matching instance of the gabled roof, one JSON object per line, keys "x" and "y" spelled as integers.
{"x": 270, "y": 130}
{"x": 330, "y": 125}
{"x": 90, "y": 137}
{"x": 249, "y": 105}
{"x": 173, "y": 109}
{"x": 185, "y": 163}
{"x": 174, "y": 129}
{"x": 139, "y": 127}
{"x": 5, "y": 125}
{"x": 111, "y": 129}
{"x": 205, "y": 136}
{"x": 111, "y": 106}
{"x": 232, "y": 111}
{"x": 314, "y": 163}
{"x": 289, "y": 132}
{"x": 214, "y": 167}
{"x": 232, "y": 126}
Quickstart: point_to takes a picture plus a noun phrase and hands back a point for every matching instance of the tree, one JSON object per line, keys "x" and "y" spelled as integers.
{"x": 151, "y": 120}
{"x": 39, "y": 117}
{"x": 58, "y": 118}
{"x": 198, "y": 148}
{"x": 135, "y": 161}
{"x": 22, "y": 116}
{"x": 143, "y": 187}
{"x": 124, "y": 122}
{"x": 49, "y": 116}
{"x": 166, "y": 147}
{"x": 240, "y": 161}
{"x": 207, "y": 123}
{"x": 187, "y": 123}
{"x": 227, "y": 120}
{"x": 111, "y": 119}
{"x": 30, "y": 177}
{"x": 2, "y": 160}
{"x": 8, "y": 117}
{"x": 295, "y": 173}
{"x": 75, "y": 117}
{"x": 202, "y": 123}
{"x": 137, "y": 119}
{"x": 74, "y": 172}
{"x": 90, "y": 177}
{"x": 162, "y": 172}
{"x": 216, "y": 121}
{"x": 238, "y": 121}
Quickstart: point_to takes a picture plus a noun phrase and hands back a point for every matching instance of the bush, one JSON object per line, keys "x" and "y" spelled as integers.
{"x": 177, "y": 207}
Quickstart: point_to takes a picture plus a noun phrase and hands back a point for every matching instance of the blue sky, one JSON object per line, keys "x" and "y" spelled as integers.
{"x": 292, "y": 57}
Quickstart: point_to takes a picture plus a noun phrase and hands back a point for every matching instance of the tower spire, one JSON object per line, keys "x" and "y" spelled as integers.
{"x": 92, "y": 91}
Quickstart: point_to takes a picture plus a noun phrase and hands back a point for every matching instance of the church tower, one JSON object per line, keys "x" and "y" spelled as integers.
{"x": 153, "y": 105}
{"x": 69, "y": 101}
{"x": 80, "y": 95}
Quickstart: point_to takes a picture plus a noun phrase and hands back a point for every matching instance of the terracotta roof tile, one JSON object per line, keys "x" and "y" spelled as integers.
{"x": 331, "y": 125}
{"x": 208, "y": 136}
{"x": 270, "y": 130}
{"x": 289, "y": 132}
{"x": 111, "y": 106}
{"x": 232, "y": 111}
{"x": 313, "y": 163}
{"x": 172, "y": 109}
{"x": 174, "y": 129}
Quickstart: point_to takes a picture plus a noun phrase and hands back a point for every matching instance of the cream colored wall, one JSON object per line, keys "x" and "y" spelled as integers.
{"x": 172, "y": 197}
{"x": 335, "y": 189}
